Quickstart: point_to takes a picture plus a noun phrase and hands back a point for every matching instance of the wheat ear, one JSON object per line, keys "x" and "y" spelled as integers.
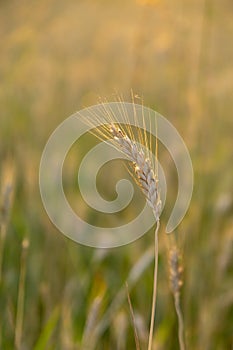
{"x": 148, "y": 182}
{"x": 144, "y": 174}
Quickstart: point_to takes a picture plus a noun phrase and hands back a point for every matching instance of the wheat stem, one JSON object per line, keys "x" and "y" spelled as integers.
{"x": 180, "y": 321}
{"x": 176, "y": 282}
{"x": 154, "y": 287}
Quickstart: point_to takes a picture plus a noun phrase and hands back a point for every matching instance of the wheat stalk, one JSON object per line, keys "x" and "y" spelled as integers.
{"x": 143, "y": 173}
{"x": 148, "y": 182}
{"x": 176, "y": 271}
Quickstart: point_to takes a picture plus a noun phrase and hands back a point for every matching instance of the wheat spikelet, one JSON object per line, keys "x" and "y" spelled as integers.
{"x": 145, "y": 176}
{"x": 175, "y": 270}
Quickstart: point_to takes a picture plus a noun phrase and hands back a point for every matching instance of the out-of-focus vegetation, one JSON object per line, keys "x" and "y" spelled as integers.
{"x": 56, "y": 58}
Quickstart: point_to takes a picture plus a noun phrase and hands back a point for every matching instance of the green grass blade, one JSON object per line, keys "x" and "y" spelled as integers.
{"x": 48, "y": 330}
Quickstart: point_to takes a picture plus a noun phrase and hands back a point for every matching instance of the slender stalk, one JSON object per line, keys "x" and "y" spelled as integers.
{"x": 21, "y": 295}
{"x": 137, "y": 343}
{"x": 176, "y": 270}
{"x": 154, "y": 287}
{"x": 180, "y": 321}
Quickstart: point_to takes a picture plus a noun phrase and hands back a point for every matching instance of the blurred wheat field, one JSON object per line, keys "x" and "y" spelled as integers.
{"x": 58, "y": 57}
